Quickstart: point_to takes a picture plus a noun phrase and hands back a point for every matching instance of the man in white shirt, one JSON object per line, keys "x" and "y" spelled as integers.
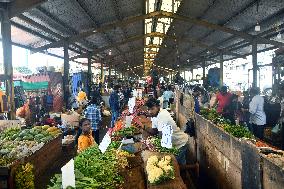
{"x": 161, "y": 118}
{"x": 258, "y": 117}
{"x": 168, "y": 94}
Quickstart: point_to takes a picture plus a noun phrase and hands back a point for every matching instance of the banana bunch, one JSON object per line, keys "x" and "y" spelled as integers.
{"x": 24, "y": 177}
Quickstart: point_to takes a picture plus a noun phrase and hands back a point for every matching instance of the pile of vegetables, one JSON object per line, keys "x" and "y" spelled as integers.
{"x": 24, "y": 177}
{"x": 235, "y": 130}
{"x": 125, "y": 132}
{"x": 96, "y": 170}
{"x": 238, "y": 131}
{"x": 154, "y": 145}
{"x": 16, "y": 143}
{"x": 159, "y": 170}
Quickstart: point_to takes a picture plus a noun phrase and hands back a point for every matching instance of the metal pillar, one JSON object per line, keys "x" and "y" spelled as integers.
{"x": 8, "y": 67}
{"x": 89, "y": 74}
{"x": 184, "y": 75}
{"x": 114, "y": 70}
{"x": 102, "y": 72}
{"x": 254, "y": 63}
{"x": 191, "y": 73}
{"x": 66, "y": 74}
{"x": 109, "y": 70}
{"x": 203, "y": 72}
{"x": 221, "y": 70}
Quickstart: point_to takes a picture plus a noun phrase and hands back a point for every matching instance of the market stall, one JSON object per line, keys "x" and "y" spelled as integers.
{"x": 124, "y": 158}
{"x": 229, "y": 155}
{"x": 26, "y": 154}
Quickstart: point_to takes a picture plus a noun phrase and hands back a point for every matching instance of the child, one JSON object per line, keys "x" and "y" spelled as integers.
{"x": 86, "y": 139}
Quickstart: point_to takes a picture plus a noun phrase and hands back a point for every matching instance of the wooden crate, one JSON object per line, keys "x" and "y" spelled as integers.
{"x": 44, "y": 158}
{"x": 41, "y": 160}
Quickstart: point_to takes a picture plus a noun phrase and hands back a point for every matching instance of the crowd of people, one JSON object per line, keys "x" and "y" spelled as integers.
{"x": 159, "y": 100}
{"x": 252, "y": 110}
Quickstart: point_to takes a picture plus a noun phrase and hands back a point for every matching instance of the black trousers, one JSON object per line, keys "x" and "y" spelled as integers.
{"x": 258, "y": 131}
{"x": 96, "y": 135}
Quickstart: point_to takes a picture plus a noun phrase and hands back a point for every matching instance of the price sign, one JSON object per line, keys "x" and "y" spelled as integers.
{"x": 128, "y": 120}
{"x": 167, "y": 131}
{"x": 131, "y": 104}
{"x": 68, "y": 175}
{"x": 105, "y": 143}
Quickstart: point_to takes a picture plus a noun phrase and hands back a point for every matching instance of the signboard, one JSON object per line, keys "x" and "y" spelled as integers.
{"x": 167, "y": 132}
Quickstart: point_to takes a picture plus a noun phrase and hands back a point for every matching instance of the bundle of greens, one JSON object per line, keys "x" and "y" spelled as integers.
{"x": 236, "y": 130}
{"x": 94, "y": 169}
{"x": 154, "y": 144}
{"x": 125, "y": 132}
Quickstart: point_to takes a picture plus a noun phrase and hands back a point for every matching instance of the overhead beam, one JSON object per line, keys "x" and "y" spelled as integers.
{"x": 158, "y": 14}
{"x": 47, "y": 30}
{"x": 102, "y": 28}
{"x": 35, "y": 33}
{"x": 154, "y": 34}
{"x": 240, "y": 34}
{"x": 271, "y": 19}
{"x": 68, "y": 28}
{"x": 135, "y": 38}
{"x": 123, "y": 53}
{"x": 94, "y": 21}
{"x": 17, "y": 7}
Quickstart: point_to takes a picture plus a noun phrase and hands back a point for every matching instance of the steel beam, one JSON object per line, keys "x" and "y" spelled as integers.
{"x": 221, "y": 70}
{"x": 240, "y": 34}
{"x": 89, "y": 74}
{"x": 262, "y": 34}
{"x": 45, "y": 29}
{"x": 8, "y": 67}
{"x": 157, "y": 34}
{"x": 123, "y": 53}
{"x": 102, "y": 28}
{"x": 95, "y": 23}
{"x": 135, "y": 38}
{"x": 69, "y": 29}
{"x": 17, "y": 7}
{"x": 66, "y": 74}
{"x": 102, "y": 71}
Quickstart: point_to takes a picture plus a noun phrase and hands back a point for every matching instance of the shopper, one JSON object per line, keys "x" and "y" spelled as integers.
{"x": 86, "y": 139}
{"x": 121, "y": 98}
{"x": 258, "y": 117}
{"x": 168, "y": 94}
{"x": 245, "y": 110}
{"x": 163, "y": 117}
{"x": 95, "y": 93}
{"x": 114, "y": 104}
{"x": 232, "y": 111}
{"x": 223, "y": 99}
{"x": 196, "y": 93}
{"x": 281, "y": 120}
{"x": 93, "y": 113}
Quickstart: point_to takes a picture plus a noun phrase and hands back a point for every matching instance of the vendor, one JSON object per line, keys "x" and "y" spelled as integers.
{"x": 223, "y": 99}
{"x": 163, "y": 117}
{"x": 86, "y": 139}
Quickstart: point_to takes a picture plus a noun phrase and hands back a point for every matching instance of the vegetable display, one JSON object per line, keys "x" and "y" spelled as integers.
{"x": 16, "y": 143}
{"x": 159, "y": 170}
{"x": 125, "y": 132}
{"x": 24, "y": 177}
{"x": 236, "y": 130}
{"x": 154, "y": 144}
{"x": 94, "y": 169}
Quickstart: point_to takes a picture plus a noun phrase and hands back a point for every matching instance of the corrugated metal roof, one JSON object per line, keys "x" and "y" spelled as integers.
{"x": 67, "y": 18}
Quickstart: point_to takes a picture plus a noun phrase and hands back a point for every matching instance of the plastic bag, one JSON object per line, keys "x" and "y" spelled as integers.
{"x": 276, "y": 129}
